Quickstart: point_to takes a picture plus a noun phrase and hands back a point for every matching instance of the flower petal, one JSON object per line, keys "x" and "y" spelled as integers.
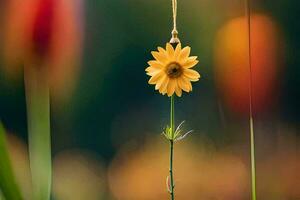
{"x": 190, "y": 64}
{"x": 178, "y": 91}
{"x": 154, "y": 72}
{"x": 191, "y": 74}
{"x": 188, "y": 83}
{"x": 184, "y": 54}
{"x": 156, "y": 64}
{"x": 164, "y": 85}
{"x": 183, "y": 84}
{"x": 162, "y": 51}
{"x": 151, "y": 69}
{"x": 192, "y": 58}
{"x": 170, "y": 50}
{"x": 155, "y": 78}
{"x": 171, "y": 87}
{"x": 177, "y": 50}
{"x": 160, "y": 82}
{"x": 159, "y": 56}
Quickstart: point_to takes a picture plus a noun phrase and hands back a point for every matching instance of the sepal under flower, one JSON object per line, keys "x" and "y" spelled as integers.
{"x": 178, "y": 135}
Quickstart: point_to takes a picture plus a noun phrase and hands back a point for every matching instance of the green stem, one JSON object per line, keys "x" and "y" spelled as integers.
{"x": 38, "y": 119}
{"x": 171, "y": 169}
{"x": 253, "y": 171}
{"x": 252, "y": 141}
{"x": 172, "y": 116}
{"x": 172, "y": 124}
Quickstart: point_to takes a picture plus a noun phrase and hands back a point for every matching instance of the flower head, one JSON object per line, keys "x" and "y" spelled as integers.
{"x": 171, "y": 70}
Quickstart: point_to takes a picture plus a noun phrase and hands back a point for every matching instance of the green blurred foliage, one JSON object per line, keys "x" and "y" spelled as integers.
{"x": 8, "y": 185}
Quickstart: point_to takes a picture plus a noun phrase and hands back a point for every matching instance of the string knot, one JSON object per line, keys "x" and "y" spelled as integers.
{"x": 174, "y": 39}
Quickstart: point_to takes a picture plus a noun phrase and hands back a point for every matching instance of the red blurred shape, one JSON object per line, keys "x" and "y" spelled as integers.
{"x": 45, "y": 33}
{"x": 42, "y": 27}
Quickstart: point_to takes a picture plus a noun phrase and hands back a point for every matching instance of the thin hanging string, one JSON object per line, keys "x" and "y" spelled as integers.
{"x": 174, "y": 38}
{"x": 174, "y": 7}
{"x": 252, "y": 139}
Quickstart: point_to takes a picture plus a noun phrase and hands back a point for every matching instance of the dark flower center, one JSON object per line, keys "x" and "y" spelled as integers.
{"x": 174, "y": 70}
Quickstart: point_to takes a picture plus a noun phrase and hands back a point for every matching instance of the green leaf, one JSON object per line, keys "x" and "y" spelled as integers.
{"x": 8, "y": 185}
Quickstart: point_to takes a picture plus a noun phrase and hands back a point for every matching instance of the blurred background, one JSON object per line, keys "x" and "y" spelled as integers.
{"x": 107, "y": 121}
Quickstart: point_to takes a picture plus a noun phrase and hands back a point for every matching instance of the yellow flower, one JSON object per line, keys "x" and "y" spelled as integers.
{"x": 170, "y": 71}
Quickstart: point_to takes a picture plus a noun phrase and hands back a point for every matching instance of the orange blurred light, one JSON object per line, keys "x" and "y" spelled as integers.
{"x": 78, "y": 175}
{"x": 232, "y": 62}
{"x": 279, "y": 173}
{"x": 200, "y": 173}
{"x": 20, "y": 162}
